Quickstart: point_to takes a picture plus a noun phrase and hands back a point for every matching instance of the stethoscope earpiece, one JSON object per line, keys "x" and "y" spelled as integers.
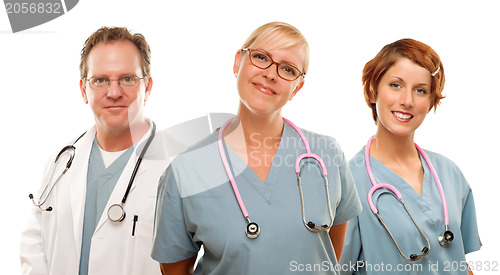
{"x": 252, "y": 230}
{"x": 311, "y": 225}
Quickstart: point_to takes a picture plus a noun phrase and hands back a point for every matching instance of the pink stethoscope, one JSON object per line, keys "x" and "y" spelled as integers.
{"x": 444, "y": 238}
{"x": 253, "y": 230}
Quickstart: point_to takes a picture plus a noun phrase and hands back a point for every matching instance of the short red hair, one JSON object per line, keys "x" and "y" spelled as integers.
{"x": 418, "y": 52}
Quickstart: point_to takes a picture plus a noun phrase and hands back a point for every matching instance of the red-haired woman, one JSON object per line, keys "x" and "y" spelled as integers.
{"x": 418, "y": 209}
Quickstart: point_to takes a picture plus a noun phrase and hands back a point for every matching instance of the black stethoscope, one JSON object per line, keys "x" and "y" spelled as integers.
{"x": 116, "y": 213}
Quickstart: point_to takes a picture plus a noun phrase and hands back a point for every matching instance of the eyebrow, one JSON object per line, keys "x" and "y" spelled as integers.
{"x": 402, "y": 80}
{"x": 282, "y": 62}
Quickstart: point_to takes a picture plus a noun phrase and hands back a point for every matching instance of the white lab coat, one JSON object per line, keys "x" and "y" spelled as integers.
{"x": 51, "y": 244}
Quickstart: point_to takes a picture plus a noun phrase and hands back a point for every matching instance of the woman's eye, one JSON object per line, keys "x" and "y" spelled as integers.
{"x": 421, "y": 91}
{"x": 289, "y": 70}
{"x": 260, "y": 57}
{"x": 395, "y": 85}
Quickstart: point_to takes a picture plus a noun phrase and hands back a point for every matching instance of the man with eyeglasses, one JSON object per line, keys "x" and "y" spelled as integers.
{"x": 97, "y": 218}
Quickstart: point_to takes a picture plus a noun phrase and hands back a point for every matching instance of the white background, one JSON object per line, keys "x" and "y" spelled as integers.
{"x": 193, "y": 45}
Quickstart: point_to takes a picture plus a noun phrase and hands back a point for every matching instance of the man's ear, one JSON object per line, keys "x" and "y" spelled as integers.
{"x": 83, "y": 91}
{"x": 148, "y": 89}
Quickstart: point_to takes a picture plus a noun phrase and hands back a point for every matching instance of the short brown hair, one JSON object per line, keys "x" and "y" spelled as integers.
{"x": 106, "y": 34}
{"x": 418, "y": 52}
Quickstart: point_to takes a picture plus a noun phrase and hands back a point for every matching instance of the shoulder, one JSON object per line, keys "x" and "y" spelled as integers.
{"x": 198, "y": 153}
{"x": 76, "y": 140}
{"x": 441, "y": 162}
{"x": 449, "y": 173}
{"x": 358, "y": 159}
{"x": 321, "y": 142}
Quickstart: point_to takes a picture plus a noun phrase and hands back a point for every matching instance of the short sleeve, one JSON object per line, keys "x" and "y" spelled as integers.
{"x": 470, "y": 234}
{"x": 349, "y": 206}
{"x": 171, "y": 240}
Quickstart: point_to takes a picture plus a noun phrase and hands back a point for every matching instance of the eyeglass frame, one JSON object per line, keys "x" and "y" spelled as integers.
{"x": 117, "y": 80}
{"x": 272, "y": 63}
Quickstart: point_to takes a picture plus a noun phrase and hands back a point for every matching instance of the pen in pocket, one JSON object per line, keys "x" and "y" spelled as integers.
{"x": 135, "y": 221}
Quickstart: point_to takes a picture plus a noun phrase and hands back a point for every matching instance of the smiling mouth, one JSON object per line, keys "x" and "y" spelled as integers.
{"x": 114, "y": 107}
{"x": 400, "y": 115}
{"x": 264, "y": 89}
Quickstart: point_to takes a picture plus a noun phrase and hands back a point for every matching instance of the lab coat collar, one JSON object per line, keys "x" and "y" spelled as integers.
{"x": 78, "y": 179}
{"x": 123, "y": 181}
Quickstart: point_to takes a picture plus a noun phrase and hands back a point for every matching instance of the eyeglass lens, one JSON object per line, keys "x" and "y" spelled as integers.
{"x": 263, "y": 60}
{"x": 124, "y": 82}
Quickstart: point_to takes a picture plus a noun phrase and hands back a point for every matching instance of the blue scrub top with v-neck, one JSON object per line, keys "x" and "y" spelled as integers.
{"x": 100, "y": 184}
{"x": 196, "y": 205}
{"x": 368, "y": 243}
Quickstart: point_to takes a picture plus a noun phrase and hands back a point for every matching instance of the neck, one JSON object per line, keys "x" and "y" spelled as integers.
{"x": 118, "y": 139}
{"x": 387, "y": 146}
{"x": 259, "y": 128}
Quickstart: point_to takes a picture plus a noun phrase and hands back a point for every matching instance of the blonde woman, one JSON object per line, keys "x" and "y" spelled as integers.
{"x": 237, "y": 193}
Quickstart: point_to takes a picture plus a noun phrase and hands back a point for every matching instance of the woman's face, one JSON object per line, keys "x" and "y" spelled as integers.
{"x": 262, "y": 90}
{"x": 403, "y": 97}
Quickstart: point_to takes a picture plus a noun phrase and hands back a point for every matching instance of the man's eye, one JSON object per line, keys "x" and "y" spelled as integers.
{"x": 100, "y": 81}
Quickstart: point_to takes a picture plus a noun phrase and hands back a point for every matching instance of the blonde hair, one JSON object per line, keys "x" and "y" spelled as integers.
{"x": 279, "y": 35}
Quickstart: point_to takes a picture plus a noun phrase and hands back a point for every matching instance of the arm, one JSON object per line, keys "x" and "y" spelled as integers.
{"x": 179, "y": 268}
{"x": 31, "y": 250}
{"x": 337, "y": 236}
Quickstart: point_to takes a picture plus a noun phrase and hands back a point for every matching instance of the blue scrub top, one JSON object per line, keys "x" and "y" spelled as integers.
{"x": 368, "y": 247}
{"x": 100, "y": 184}
{"x": 196, "y": 205}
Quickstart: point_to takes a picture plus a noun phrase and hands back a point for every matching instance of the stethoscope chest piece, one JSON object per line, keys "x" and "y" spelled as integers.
{"x": 252, "y": 230}
{"x": 445, "y": 238}
{"x": 116, "y": 213}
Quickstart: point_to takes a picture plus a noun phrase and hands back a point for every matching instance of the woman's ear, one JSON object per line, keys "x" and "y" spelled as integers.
{"x": 301, "y": 84}
{"x": 237, "y": 61}
{"x": 373, "y": 97}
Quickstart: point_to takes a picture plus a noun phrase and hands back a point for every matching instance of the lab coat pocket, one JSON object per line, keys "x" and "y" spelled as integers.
{"x": 140, "y": 237}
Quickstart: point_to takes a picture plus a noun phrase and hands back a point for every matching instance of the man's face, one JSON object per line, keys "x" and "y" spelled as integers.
{"x": 115, "y": 108}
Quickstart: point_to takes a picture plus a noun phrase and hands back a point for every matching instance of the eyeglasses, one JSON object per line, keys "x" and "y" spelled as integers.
{"x": 126, "y": 82}
{"x": 262, "y": 60}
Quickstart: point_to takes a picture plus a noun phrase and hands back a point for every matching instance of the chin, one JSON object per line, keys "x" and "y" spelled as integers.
{"x": 261, "y": 106}
{"x": 116, "y": 123}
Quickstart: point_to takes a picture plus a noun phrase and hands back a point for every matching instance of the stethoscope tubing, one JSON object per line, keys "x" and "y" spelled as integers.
{"x": 229, "y": 173}
{"x": 309, "y": 225}
{"x": 373, "y": 208}
{"x": 68, "y": 165}
{"x": 139, "y": 161}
